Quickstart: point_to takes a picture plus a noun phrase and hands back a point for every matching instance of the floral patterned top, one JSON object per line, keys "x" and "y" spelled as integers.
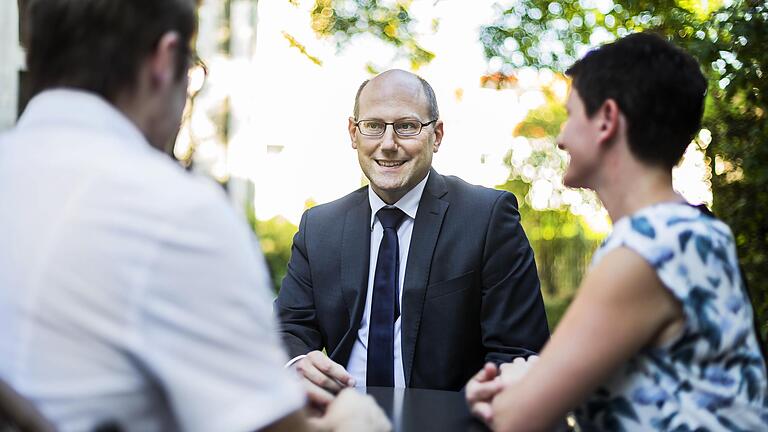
{"x": 711, "y": 377}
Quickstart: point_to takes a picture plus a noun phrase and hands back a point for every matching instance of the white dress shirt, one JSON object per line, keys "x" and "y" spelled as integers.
{"x": 409, "y": 204}
{"x": 130, "y": 291}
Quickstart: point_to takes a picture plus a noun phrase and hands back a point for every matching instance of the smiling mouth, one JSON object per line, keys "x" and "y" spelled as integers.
{"x": 389, "y": 164}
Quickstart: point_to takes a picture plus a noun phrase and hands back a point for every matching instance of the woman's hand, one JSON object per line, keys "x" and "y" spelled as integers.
{"x": 480, "y": 391}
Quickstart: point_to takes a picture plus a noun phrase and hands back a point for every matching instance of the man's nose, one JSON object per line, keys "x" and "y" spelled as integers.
{"x": 388, "y": 139}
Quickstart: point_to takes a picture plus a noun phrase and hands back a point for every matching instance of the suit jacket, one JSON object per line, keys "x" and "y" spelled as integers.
{"x": 470, "y": 295}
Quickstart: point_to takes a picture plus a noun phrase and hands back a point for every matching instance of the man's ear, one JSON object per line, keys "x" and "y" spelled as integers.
{"x": 438, "y": 135}
{"x": 352, "y": 128}
{"x": 163, "y": 61}
{"x": 608, "y": 117}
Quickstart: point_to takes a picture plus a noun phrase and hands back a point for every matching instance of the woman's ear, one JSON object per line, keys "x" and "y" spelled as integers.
{"x": 608, "y": 117}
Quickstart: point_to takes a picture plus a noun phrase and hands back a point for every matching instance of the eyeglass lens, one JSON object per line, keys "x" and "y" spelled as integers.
{"x": 377, "y": 127}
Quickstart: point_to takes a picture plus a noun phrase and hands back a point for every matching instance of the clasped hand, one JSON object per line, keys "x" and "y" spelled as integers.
{"x": 323, "y": 378}
{"x": 490, "y": 381}
{"x": 335, "y": 408}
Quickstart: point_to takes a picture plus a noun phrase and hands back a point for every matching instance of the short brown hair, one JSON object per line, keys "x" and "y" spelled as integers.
{"x": 658, "y": 87}
{"x": 98, "y": 45}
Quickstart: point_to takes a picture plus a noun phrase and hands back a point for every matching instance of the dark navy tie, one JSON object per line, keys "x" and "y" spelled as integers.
{"x": 384, "y": 306}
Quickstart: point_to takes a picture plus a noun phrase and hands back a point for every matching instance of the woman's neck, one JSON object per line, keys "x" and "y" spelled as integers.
{"x": 634, "y": 188}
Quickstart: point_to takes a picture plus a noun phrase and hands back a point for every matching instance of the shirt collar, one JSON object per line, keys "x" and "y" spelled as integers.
{"x": 409, "y": 203}
{"x": 79, "y": 108}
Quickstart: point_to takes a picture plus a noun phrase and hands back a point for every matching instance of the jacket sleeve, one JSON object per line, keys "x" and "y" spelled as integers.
{"x": 514, "y": 323}
{"x": 295, "y": 305}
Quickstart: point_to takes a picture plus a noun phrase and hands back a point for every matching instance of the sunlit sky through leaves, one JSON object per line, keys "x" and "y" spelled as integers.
{"x": 289, "y": 112}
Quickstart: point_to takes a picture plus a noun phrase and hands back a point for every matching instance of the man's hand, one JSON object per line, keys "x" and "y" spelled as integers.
{"x": 514, "y": 372}
{"x": 323, "y": 378}
{"x": 352, "y": 412}
{"x": 480, "y": 391}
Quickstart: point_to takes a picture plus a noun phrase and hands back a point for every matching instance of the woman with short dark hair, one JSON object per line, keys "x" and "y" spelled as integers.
{"x": 661, "y": 334}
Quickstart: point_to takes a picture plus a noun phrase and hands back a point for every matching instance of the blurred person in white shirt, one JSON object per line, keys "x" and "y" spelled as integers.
{"x": 130, "y": 291}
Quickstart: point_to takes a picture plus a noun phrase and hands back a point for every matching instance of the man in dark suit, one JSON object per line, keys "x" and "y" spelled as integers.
{"x": 417, "y": 280}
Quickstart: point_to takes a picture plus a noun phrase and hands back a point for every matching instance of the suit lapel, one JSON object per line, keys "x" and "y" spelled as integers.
{"x": 355, "y": 251}
{"x": 426, "y": 228}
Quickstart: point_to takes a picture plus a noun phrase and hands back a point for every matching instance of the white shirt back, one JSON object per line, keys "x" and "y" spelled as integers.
{"x": 129, "y": 290}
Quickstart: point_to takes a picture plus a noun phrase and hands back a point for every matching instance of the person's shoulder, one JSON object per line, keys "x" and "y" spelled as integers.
{"x": 334, "y": 209}
{"x": 662, "y": 221}
{"x": 167, "y": 184}
{"x": 671, "y": 232}
{"x": 156, "y": 189}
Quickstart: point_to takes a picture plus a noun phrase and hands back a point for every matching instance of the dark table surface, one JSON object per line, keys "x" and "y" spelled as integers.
{"x": 418, "y": 410}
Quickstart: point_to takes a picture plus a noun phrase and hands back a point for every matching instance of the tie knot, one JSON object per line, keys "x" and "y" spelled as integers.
{"x": 390, "y": 217}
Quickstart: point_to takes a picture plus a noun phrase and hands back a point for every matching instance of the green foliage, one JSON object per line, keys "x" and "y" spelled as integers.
{"x": 388, "y": 21}
{"x": 729, "y": 41}
{"x": 275, "y": 238}
{"x": 555, "y": 307}
{"x": 562, "y": 241}
{"x": 554, "y": 34}
{"x": 294, "y": 43}
{"x": 736, "y": 117}
{"x": 545, "y": 121}
{"x": 562, "y": 244}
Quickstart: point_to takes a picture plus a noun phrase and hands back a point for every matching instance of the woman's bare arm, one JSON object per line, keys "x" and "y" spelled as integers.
{"x": 621, "y": 307}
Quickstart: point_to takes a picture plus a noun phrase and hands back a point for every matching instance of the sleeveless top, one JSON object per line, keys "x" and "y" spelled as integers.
{"x": 710, "y": 377}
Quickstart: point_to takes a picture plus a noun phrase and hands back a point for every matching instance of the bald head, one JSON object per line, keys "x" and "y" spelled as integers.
{"x": 404, "y": 80}
{"x": 398, "y": 158}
